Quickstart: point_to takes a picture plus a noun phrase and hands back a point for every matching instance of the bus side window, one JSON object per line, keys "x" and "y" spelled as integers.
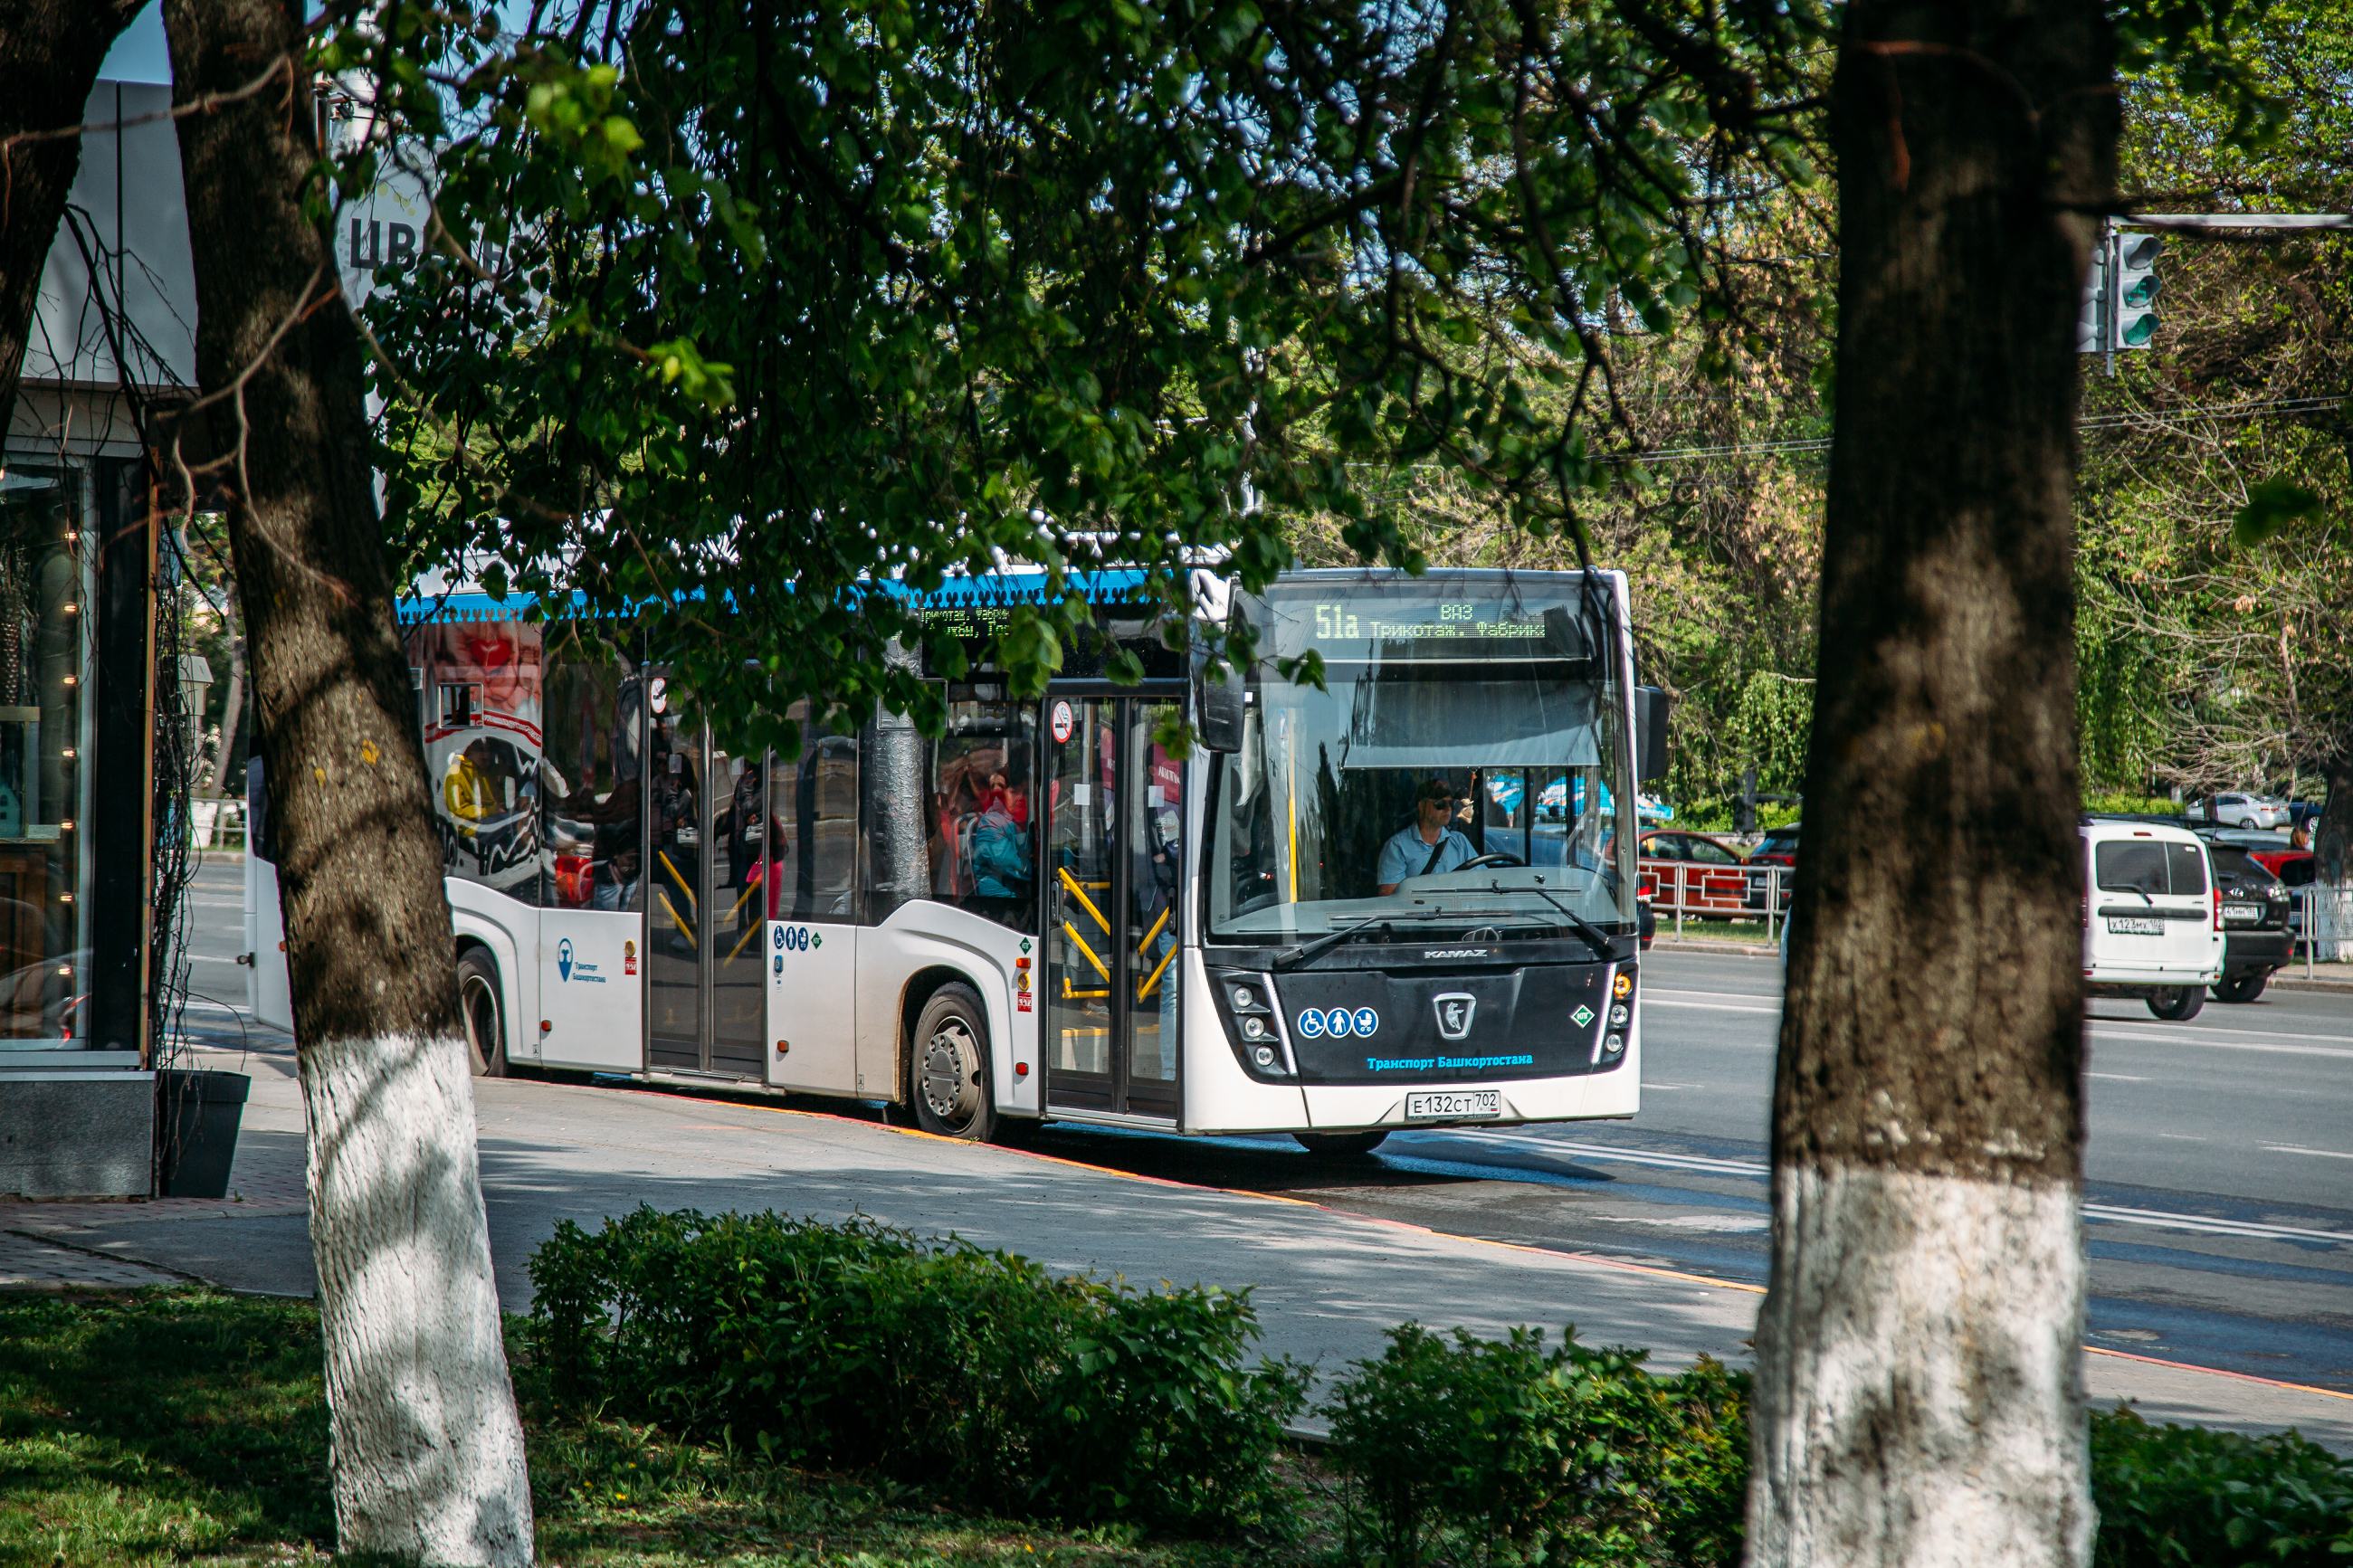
{"x": 818, "y": 877}
{"x": 978, "y": 811}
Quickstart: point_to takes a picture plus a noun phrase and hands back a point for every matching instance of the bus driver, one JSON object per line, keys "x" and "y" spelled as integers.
{"x": 1429, "y": 844}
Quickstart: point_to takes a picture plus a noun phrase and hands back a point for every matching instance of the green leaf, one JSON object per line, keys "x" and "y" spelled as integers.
{"x": 2271, "y": 505}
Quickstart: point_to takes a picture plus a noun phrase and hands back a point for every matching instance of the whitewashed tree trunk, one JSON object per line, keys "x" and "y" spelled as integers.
{"x": 428, "y": 1452}
{"x": 1919, "y": 1398}
{"x": 428, "y": 1457}
{"x": 1922, "y": 1403}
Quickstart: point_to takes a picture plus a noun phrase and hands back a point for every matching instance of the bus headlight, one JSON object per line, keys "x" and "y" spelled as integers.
{"x": 1246, "y": 1003}
{"x": 1620, "y": 1015}
{"x": 1613, "y": 1044}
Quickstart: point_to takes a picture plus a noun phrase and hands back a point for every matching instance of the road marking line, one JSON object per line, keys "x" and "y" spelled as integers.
{"x": 2297, "y": 1148}
{"x": 2227, "y": 1044}
{"x": 2107, "y": 1214}
{"x": 2116, "y": 1077}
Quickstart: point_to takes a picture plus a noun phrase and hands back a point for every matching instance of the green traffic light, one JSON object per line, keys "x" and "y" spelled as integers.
{"x": 2141, "y": 295}
{"x": 2138, "y": 331}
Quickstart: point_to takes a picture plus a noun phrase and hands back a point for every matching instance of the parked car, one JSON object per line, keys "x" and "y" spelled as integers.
{"x": 1693, "y": 873}
{"x": 2257, "y": 942}
{"x": 2238, "y": 809}
{"x": 1778, "y": 847}
{"x": 2152, "y": 916}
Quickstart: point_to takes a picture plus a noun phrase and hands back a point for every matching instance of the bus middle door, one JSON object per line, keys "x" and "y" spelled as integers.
{"x": 1113, "y": 803}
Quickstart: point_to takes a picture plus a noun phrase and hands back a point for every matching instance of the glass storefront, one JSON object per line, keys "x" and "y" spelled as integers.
{"x": 46, "y": 582}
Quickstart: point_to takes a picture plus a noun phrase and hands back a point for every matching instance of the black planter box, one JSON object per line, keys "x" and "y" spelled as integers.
{"x": 196, "y": 1117}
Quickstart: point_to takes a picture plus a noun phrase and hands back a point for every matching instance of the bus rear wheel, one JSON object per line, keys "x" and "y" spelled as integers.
{"x": 947, "y": 1069}
{"x": 478, "y": 1004}
{"x": 2178, "y": 1004}
{"x": 1340, "y": 1142}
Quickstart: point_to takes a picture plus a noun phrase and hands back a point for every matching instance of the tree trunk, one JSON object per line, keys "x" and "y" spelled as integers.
{"x": 50, "y": 52}
{"x": 233, "y": 700}
{"x": 1919, "y": 1392}
{"x": 428, "y": 1452}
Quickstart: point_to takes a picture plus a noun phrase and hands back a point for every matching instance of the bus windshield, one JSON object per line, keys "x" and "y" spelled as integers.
{"x": 1463, "y": 771}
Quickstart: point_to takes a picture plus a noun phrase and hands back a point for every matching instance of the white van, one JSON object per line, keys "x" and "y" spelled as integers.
{"x": 2152, "y": 916}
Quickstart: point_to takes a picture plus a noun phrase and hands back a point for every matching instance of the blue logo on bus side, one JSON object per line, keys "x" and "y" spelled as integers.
{"x": 800, "y": 939}
{"x": 1339, "y": 1023}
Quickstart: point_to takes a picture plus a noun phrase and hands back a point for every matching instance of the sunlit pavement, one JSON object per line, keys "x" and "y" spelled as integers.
{"x": 2219, "y": 1224}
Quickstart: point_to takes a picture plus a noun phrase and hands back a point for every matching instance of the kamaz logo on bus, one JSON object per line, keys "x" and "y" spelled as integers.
{"x": 1455, "y": 1011}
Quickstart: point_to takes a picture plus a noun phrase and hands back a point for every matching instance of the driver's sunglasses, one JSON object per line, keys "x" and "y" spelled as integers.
{"x": 1440, "y": 799}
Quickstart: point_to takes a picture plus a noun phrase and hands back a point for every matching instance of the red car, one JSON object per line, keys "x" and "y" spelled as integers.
{"x": 1691, "y": 874}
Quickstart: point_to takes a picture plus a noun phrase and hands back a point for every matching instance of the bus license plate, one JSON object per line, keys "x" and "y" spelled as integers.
{"x": 2136, "y": 928}
{"x": 1438, "y": 1107}
{"x": 2242, "y": 911}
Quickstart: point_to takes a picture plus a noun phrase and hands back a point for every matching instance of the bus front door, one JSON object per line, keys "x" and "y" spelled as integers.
{"x": 1114, "y": 799}
{"x": 705, "y": 954}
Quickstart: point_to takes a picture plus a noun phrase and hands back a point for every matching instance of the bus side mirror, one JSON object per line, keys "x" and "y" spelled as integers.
{"x": 1218, "y": 708}
{"x": 1651, "y": 707}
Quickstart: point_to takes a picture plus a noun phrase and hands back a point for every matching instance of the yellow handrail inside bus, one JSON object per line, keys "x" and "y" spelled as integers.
{"x": 1088, "y": 904}
{"x": 1153, "y": 983}
{"x": 679, "y": 878}
{"x": 1070, "y": 995}
{"x": 1153, "y": 932}
{"x": 1101, "y": 968}
{"x": 685, "y": 930}
{"x": 749, "y": 934}
{"x": 749, "y": 889}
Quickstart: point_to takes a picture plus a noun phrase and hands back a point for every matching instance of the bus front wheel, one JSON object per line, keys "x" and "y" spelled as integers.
{"x": 1340, "y": 1142}
{"x": 947, "y": 1069}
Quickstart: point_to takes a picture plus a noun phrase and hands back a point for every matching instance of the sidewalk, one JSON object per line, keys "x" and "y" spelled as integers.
{"x": 1326, "y": 1283}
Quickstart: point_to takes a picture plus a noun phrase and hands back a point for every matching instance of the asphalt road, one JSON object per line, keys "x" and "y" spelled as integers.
{"x": 2220, "y": 1212}
{"x": 2219, "y": 1221}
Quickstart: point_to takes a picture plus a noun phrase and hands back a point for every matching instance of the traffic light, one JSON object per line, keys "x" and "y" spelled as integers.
{"x": 2136, "y": 285}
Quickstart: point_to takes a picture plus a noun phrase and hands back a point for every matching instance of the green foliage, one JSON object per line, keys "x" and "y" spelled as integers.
{"x": 765, "y": 305}
{"x": 1566, "y": 1455}
{"x": 2132, "y": 804}
{"x": 2189, "y": 1497}
{"x": 2272, "y": 504}
{"x": 975, "y": 1372}
{"x": 1772, "y": 728}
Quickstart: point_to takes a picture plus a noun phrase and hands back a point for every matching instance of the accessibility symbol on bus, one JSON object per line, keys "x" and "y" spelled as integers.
{"x": 1339, "y": 1023}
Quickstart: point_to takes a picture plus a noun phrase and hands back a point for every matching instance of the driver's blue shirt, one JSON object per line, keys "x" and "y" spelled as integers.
{"x": 1407, "y": 852}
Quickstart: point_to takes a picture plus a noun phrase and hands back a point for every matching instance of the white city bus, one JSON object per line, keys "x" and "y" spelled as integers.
{"x": 1042, "y": 914}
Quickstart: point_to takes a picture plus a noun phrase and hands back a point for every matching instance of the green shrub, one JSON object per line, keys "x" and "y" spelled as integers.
{"x": 1566, "y": 1455}
{"x": 2174, "y": 1496}
{"x": 2133, "y": 805}
{"x": 978, "y": 1372}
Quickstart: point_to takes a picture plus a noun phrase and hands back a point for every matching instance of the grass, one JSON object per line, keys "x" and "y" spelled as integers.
{"x": 183, "y": 1426}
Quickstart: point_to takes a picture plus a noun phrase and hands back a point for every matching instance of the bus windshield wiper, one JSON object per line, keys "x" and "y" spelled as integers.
{"x": 1593, "y": 935}
{"x": 1330, "y": 939}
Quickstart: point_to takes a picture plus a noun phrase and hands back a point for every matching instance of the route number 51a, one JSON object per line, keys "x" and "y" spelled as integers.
{"x": 1335, "y": 621}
